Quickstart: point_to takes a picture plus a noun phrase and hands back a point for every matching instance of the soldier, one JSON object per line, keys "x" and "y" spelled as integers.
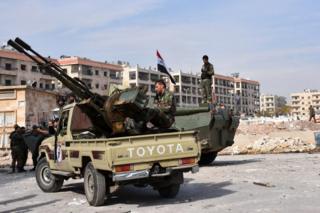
{"x": 162, "y": 115}
{"x": 33, "y": 140}
{"x": 207, "y": 72}
{"x": 17, "y": 149}
{"x": 71, "y": 98}
{"x": 312, "y": 114}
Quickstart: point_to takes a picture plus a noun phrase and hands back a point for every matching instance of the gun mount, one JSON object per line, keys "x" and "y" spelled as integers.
{"x": 108, "y": 114}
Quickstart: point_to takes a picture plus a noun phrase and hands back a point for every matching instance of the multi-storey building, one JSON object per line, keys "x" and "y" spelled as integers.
{"x": 17, "y": 69}
{"x": 271, "y": 103}
{"x": 96, "y": 75}
{"x": 268, "y": 104}
{"x": 139, "y": 76}
{"x": 300, "y": 102}
{"x": 237, "y": 93}
{"x": 187, "y": 89}
{"x": 232, "y": 91}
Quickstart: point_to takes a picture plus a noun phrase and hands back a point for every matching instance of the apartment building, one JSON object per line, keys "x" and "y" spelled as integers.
{"x": 271, "y": 103}
{"x": 96, "y": 75}
{"x": 301, "y": 101}
{"x": 134, "y": 76}
{"x": 187, "y": 89}
{"x": 17, "y": 69}
{"x": 237, "y": 93}
{"x": 232, "y": 91}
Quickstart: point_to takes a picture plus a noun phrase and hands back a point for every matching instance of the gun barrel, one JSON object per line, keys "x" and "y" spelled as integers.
{"x": 75, "y": 85}
{"x": 191, "y": 111}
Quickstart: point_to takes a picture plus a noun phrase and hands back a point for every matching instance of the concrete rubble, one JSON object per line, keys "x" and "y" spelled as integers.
{"x": 274, "y": 136}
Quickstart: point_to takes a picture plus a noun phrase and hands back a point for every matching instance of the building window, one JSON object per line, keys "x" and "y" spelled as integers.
{"x": 154, "y": 77}
{"x": 143, "y": 76}
{"x": 97, "y": 86}
{"x": 105, "y": 74}
{"x": 40, "y": 85}
{"x": 7, "y": 119}
{"x": 152, "y": 87}
{"x": 23, "y": 82}
{"x": 7, "y": 82}
{"x": 34, "y": 68}
{"x": 8, "y": 66}
{"x": 132, "y": 75}
{"x": 113, "y": 75}
{"x": 23, "y": 67}
{"x": 53, "y": 86}
{"x": 47, "y": 86}
{"x": 105, "y": 86}
{"x": 97, "y": 72}
{"x": 176, "y": 78}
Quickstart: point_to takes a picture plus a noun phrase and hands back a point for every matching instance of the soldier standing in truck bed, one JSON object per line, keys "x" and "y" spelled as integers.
{"x": 207, "y": 72}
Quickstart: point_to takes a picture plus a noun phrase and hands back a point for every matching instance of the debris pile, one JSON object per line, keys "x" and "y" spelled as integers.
{"x": 267, "y": 144}
{"x": 260, "y": 137}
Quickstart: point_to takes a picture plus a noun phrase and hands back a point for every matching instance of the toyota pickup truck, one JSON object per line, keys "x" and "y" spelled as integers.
{"x": 158, "y": 159}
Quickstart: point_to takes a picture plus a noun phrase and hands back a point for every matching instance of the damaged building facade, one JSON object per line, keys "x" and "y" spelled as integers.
{"x": 25, "y": 106}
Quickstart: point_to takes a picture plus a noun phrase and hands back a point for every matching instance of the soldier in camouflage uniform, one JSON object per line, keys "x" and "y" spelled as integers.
{"x": 207, "y": 72}
{"x": 17, "y": 146}
{"x": 162, "y": 115}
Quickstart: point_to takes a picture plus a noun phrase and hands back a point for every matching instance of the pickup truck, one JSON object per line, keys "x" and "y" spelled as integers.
{"x": 158, "y": 159}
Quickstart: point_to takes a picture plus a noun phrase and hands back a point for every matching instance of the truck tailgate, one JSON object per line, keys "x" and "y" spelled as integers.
{"x": 155, "y": 148}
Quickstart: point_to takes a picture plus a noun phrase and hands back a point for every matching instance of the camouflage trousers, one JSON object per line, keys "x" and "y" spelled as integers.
{"x": 206, "y": 90}
{"x": 160, "y": 118}
{"x": 18, "y": 158}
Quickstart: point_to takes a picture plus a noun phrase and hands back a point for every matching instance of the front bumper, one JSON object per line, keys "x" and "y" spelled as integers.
{"x": 133, "y": 175}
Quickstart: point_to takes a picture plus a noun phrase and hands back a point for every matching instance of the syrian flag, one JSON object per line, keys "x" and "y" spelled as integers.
{"x": 162, "y": 67}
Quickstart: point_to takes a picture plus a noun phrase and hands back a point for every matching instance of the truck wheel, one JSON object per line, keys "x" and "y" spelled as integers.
{"x": 47, "y": 181}
{"x": 94, "y": 185}
{"x": 207, "y": 158}
{"x": 169, "y": 191}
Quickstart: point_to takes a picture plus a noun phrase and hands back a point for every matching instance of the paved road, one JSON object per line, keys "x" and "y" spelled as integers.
{"x": 246, "y": 183}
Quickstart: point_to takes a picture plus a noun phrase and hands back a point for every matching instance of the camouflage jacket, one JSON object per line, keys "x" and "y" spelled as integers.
{"x": 165, "y": 102}
{"x": 207, "y": 71}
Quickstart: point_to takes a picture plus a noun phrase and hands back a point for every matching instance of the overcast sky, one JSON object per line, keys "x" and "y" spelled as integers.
{"x": 274, "y": 42}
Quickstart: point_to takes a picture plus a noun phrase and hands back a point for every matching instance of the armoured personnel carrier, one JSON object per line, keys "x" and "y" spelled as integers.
{"x": 216, "y": 128}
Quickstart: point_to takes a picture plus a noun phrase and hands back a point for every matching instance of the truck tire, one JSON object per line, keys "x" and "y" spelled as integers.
{"x": 170, "y": 191}
{"x": 207, "y": 158}
{"x": 94, "y": 185}
{"x": 45, "y": 180}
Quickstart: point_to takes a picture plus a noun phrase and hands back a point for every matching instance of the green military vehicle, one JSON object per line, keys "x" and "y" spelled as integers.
{"x": 216, "y": 129}
{"x": 106, "y": 140}
{"x": 105, "y": 163}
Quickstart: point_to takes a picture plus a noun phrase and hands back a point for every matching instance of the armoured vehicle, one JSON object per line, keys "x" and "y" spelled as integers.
{"x": 216, "y": 128}
{"x": 106, "y": 141}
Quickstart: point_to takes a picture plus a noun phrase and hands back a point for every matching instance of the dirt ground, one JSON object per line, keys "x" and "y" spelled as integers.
{"x": 238, "y": 183}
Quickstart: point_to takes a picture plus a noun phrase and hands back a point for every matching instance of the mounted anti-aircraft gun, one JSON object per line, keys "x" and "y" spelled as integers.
{"x": 108, "y": 114}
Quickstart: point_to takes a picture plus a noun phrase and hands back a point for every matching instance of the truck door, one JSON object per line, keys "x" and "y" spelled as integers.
{"x": 63, "y": 136}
